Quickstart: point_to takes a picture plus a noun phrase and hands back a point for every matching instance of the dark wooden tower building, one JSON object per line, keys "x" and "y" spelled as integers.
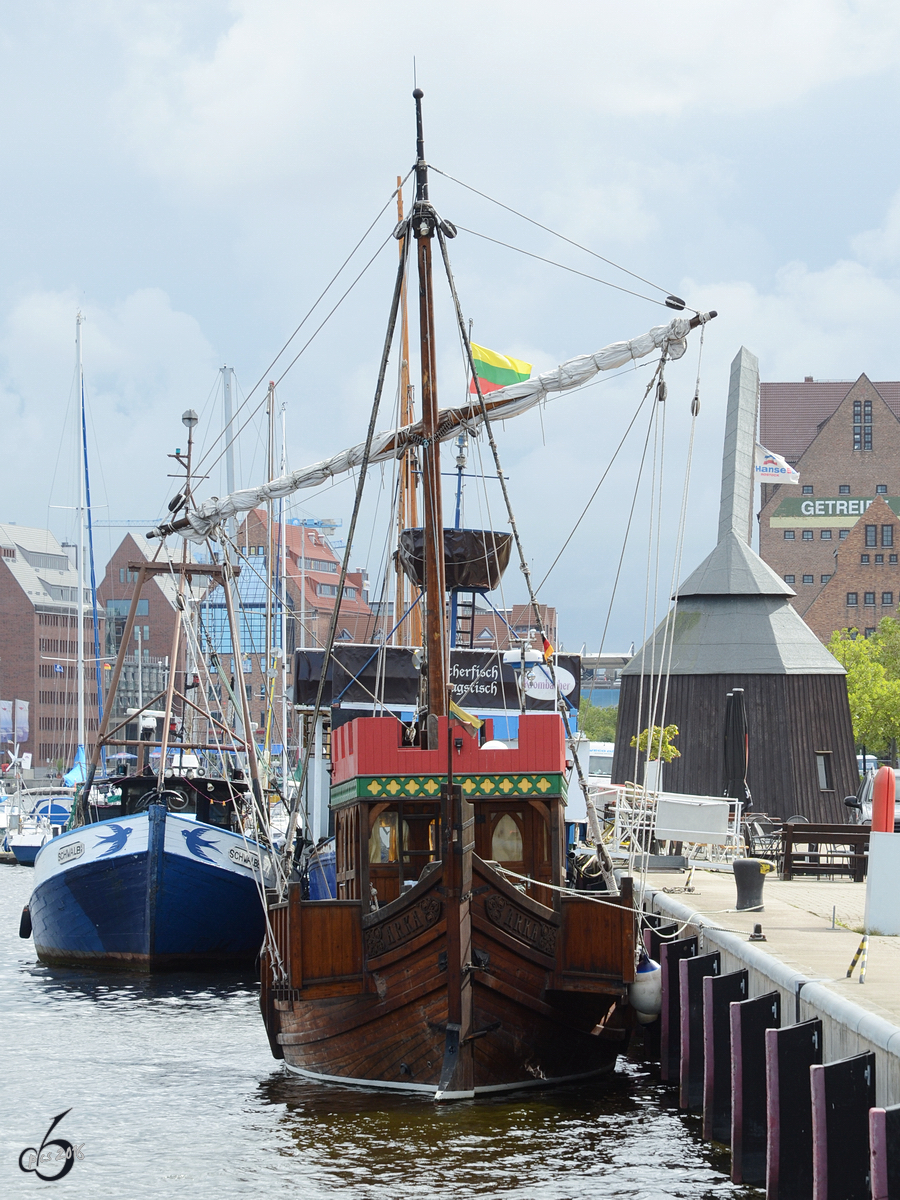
{"x": 733, "y": 626}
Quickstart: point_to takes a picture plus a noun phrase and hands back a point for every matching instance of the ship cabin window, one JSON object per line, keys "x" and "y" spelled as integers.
{"x": 383, "y": 847}
{"x": 517, "y": 836}
{"x": 506, "y": 840}
{"x": 392, "y": 865}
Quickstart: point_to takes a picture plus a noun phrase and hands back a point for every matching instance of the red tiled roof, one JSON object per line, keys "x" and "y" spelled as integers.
{"x": 790, "y": 413}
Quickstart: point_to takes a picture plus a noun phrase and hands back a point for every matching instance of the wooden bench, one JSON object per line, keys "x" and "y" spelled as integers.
{"x": 839, "y": 850}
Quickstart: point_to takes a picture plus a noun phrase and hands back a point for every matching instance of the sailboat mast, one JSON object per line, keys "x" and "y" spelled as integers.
{"x": 79, "y": 608}
{"x": 423, "y": 223}
{"x": 410, "y": 633}
{"x": 269, "y": 678}
{"x": 282, "y": 601}
{"x": 228, "y": 418}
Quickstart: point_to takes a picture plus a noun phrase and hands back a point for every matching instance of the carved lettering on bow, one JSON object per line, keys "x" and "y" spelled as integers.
{"x": 518, "y": 923}
{"x": 385, "y": 936}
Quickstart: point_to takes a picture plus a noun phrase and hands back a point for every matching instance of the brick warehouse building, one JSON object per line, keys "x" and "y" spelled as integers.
{"x": 844, "y": 439}
{"x": 863, "y": 586}
{"x": 38, "y": 645}
{"x": 151, "y": 642}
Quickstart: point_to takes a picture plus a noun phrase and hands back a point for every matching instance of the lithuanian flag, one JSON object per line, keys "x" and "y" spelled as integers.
{"x": 496, "y": 370}
{"x": 466, "y": 717}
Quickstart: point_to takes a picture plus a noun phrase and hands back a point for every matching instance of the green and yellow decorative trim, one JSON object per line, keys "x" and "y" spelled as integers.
{"x": 428, "y": 787}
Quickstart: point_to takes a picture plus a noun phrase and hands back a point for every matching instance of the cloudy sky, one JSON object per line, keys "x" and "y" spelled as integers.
{"x": 192, "y": 175}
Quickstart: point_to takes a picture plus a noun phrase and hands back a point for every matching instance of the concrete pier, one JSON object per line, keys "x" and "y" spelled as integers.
{"x": 803, "y": 957}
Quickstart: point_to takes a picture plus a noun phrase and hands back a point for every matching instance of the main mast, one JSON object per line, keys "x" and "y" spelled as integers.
{"x": 423, "y": 223}
{"x": 410, "y": 632}
{"x": 82, "y": 502}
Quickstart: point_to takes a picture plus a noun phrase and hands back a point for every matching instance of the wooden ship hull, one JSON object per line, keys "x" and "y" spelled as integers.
{"x": 459, "y": 983}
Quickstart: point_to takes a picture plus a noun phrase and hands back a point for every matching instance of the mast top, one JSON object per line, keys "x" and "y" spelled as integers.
{"x": 421, "y": 165}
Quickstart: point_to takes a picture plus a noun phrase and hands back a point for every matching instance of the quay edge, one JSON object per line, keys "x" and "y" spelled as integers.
{"x": 848, "y": 1028}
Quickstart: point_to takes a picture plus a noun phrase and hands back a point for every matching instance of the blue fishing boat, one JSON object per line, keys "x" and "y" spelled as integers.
{"x": 159, "y": 880}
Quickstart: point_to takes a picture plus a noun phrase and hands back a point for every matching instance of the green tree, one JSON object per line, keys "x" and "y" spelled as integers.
{"x": 661, "y": 743}
{"x": 596, "y": 723}
{"x": 873, "y": 683}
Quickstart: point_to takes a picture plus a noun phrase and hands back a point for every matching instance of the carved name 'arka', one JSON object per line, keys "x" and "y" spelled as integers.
{"x": 387, "y": 935}
{"x": 537, "y": 933}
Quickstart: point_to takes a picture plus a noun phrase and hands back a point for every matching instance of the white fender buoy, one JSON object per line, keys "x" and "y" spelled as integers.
{"x": 645, "y": 994}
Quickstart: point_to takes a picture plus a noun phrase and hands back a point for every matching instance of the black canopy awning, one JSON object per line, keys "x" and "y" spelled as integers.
{"x": 474, "y": 558}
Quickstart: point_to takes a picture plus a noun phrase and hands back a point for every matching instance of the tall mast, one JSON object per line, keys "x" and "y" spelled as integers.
{"x": 282, "y": 600}
{"x": 79, "y": 608}
{"x": 423, "y": 222}
{"x": 269, "y": 678}
{"x": 228, "y": 417}
{"x": 410, "y": 633}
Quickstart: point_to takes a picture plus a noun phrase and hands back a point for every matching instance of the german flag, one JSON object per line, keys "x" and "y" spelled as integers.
{"x": 548, "y": 650}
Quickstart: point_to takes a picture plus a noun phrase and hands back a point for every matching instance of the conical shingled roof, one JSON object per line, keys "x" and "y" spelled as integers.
{"x": 733, "y": 614}
{"x": 734, "y": 635}
{"x": 733, "y": 569}
{"x": 734, "y": 617}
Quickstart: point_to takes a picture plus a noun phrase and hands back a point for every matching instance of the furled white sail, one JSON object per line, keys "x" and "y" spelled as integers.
{"x": 501, "y": 404}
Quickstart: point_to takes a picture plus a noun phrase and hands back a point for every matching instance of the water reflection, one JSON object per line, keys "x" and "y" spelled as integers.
{"x": 608, "y": 1139}
{"x": 174, "y": 1093}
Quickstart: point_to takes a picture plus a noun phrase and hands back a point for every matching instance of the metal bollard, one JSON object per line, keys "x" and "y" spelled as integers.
{"x": 750, "y": 875}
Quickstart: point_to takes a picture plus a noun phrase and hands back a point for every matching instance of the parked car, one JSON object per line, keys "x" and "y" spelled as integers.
{"x": 860, "y": 805}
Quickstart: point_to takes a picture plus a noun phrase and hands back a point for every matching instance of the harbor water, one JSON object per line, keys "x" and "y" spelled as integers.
{"x": 173, "y": 1093}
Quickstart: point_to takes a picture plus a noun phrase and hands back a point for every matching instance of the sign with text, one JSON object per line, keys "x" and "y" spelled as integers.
{"x": 799, "y": 512}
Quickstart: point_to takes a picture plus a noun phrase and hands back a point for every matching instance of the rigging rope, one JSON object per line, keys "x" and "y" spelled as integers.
{"x": 562, "y": 266}
{"x": 301, "y": 351}
{"x": 605, "y": 861}
{"x": 593, "y": 495}
{"x": 555, "y": 233}
{"x": 310, "y": 312}
{"x": 335, "y": 615}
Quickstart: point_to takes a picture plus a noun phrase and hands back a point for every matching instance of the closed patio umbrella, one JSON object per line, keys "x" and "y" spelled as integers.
{"x": 736, "y": 747}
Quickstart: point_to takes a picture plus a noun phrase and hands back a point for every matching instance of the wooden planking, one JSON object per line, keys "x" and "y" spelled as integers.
{"x": 789, "y": 717}
{"x": 597, "y": 939}
{"x": 331, "y": 939}
{"x": 395, "y": 1032}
